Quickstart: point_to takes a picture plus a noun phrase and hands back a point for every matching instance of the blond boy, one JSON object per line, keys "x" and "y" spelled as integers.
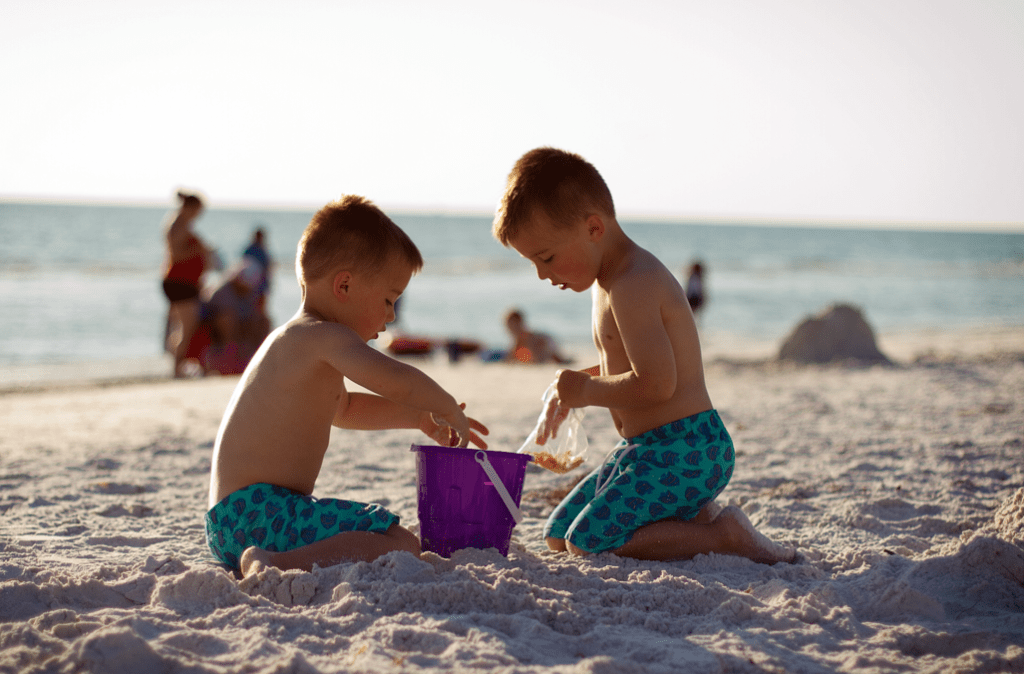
{"x": 653, "y": 498}
{"x": 353, "y": 263}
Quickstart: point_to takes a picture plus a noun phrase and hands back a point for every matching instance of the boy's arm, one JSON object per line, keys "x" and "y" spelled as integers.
{"x": 397, "y": 382}
{"x": 369, "y": 412}
{"x": 651, "y": 378}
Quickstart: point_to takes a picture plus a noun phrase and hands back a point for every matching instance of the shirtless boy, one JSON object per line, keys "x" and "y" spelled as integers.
{"x": 352, "y": 263}
{"x": 653, "y": 498}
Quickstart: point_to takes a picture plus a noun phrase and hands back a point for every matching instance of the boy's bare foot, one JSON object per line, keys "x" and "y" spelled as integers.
{"x": 253, "y": 561}
{"x": 749, "y": 542}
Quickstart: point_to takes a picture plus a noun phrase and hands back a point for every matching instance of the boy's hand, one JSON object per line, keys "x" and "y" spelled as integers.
{"x": 453, "y": 430}
{"x": 570, "y": 385}
{"x": 568, "y": 394}
{"x": 554, "y": 415}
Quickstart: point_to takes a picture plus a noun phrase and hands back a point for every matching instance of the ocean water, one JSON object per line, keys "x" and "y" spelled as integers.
{"x": 81, "y": 283}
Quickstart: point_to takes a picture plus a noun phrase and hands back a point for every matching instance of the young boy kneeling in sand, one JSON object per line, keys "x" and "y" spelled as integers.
{"x": 654, "y": 496}
{"x": 352, "y": 263}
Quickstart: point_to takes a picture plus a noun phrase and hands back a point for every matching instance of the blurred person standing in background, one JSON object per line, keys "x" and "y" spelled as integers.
{"x": 188, "y": 258}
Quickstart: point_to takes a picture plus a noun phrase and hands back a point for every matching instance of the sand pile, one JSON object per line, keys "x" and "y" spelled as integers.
{"x": 839, "y": 333}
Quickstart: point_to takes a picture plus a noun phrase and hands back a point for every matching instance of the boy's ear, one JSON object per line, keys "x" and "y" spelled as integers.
{"x": 595, "y": 226}
{"x": 342, "y": 280}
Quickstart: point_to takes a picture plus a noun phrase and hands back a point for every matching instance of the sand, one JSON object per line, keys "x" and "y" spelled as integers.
{"x": 902, "y": 487}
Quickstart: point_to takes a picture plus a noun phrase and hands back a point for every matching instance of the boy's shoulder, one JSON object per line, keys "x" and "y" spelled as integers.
{"x": 303, "y": 345}
{"x": 309, "y": 337}
{"x": 309, "y": 326}
{"x": 641, "y": 272}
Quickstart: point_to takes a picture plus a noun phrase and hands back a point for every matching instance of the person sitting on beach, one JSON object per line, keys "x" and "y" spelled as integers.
{"x": 653, "y": 497}
{"x": 235, "y": 318}
{"x": 528, "y": 346}
{"x": 352, "y": 263}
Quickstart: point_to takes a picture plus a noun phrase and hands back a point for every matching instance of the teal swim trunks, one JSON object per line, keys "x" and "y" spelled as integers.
{"x": 279, "y": 519}
{"x": 670, "y": 472}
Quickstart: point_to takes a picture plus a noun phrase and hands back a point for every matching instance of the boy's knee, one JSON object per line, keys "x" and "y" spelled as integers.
{"x": 556, "y": 544}
{"x": 404, "y": 539}
{"x": 578, "y": 552}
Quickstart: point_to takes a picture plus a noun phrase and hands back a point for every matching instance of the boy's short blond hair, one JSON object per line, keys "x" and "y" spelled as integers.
{"x": 565, "y": 185}
{"x": 351, "y": 233}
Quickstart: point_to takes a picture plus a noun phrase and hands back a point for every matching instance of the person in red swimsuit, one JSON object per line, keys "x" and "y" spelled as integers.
{"x": 187, "y": 259}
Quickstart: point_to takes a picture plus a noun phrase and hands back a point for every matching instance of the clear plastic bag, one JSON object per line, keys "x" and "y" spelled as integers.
{"x": 566, "y": 449}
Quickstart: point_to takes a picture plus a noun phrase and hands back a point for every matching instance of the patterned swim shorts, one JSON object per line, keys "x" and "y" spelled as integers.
{"x": 669, "y": 472}
{"x": 279, "y": 519}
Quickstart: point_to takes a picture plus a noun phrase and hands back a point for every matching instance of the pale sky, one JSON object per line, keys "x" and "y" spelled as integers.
{"x": 882, "y": 111}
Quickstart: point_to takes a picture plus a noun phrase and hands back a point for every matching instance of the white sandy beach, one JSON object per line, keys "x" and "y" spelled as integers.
{"x": 902, "y": 487}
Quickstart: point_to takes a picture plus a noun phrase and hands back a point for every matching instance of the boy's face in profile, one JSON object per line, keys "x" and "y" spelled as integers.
{"x": 565, "y": 256}
{"x": 372, "y": 296}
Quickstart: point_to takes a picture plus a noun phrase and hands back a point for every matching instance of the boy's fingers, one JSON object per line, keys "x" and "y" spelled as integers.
{"x": 551, "y": 424}
{"x": 546, "y": 433}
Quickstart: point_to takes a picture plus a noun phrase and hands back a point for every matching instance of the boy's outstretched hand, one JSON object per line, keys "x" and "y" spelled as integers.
{"x": 446, "y": 431}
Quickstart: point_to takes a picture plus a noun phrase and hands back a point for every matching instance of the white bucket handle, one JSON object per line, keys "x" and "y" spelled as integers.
{"x": 485, "y": 463}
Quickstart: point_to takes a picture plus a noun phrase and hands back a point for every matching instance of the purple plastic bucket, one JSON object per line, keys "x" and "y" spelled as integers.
{"x": 459, "y": 507}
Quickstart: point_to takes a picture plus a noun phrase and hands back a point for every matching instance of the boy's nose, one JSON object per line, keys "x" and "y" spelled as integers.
{"x": 390, "y": 318}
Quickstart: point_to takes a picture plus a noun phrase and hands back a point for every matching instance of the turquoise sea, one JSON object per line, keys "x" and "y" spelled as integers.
{"x": 81, "y": 283}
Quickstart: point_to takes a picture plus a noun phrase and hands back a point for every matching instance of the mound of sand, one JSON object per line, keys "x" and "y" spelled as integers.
{"x": 839, "y": 333}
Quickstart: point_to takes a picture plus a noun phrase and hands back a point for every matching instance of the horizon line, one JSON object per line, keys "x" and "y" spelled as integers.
{"x": 824, "y": 222}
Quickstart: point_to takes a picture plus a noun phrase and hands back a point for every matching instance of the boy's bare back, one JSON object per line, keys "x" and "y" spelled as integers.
{"x": 278, "y": 422}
